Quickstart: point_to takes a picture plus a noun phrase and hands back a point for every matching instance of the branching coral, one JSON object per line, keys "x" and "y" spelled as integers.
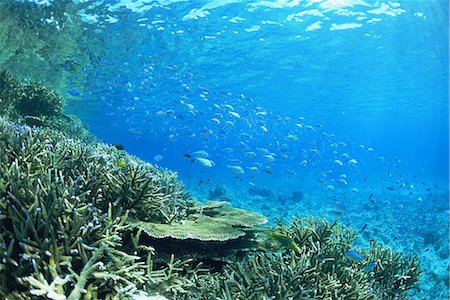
{"x": 49, "y": 221}
{"x": 27, "y": 99}
{"x": 85, "y": 220}
{"x": 319, "y": 270}
{"x": 38, "y": 100}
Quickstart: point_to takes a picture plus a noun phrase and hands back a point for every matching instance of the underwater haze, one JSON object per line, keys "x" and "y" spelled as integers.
{"x": 327, "y": 108}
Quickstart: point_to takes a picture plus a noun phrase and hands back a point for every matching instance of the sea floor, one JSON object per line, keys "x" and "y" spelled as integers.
{"x": 414, "y": 223}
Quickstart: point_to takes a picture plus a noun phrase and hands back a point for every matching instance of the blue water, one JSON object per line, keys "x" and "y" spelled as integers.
{"x": 350, "y": 99}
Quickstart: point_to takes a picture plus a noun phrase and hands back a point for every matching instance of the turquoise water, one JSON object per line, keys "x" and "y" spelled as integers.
{"x": 297, "y": 104}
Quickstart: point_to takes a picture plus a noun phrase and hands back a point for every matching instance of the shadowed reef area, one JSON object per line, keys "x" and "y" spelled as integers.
{"x": 82, "y": 219}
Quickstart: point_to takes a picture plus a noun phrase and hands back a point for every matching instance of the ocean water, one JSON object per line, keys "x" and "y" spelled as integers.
{"x": 297, "y": 104}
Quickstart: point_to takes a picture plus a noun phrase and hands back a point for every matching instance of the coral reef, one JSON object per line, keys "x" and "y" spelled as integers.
{"x": 319, "y": 269}
{"x": 86, "y": 220}
{"x": 64, "y": 215}
{"x": 38, "y": 100}
{"x": 54, "y": 241}
{"x": 35, "y": 104}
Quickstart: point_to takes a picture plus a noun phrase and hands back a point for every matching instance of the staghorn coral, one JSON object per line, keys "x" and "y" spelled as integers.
{"x": 54, "y": 241}
{"x": 393, "y": 273}
{"x": 68, "y": 215}
{"x": 34, "y": 104}
{"x": 319, "y": 270}
{"x": 64, "y": 216}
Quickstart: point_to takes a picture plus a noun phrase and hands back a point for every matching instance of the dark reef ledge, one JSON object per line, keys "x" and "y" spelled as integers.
{"x": 83, "y": 220}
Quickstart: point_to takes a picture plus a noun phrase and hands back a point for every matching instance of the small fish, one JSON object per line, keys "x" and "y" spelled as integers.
{"x": 135, "y": 131}
{"x": 187, "y": 155}
{"x": 234, "y": 114}
{"x": 292, "y": 137}
{"x": 363, "y": 228}
{"x": 291, "y": 172}
{"x": 215, "y": 121}
{"x": 158, "y": 157}
{"x": 234, "y": 161}
{"x": 250, "y": 154}
{"x": 205, "y": 162}
{"x": 268, "y": 171}
{"x": 390, "y": 188}
{"x": 337, "y": 162}
{"x": 329, "y": 187}
{"x": 352, "y": 162}
{"x": 207, "y": 131}
{"x": 264, "y": 128}
{"x": 340, "y": 205}
{"x": 119, "y": 146}
{"x": 370, "y": 266}
{"x": 200, "y": 153}
{"x": 262, "y": 151}
{"x": 243, "y": 146}
{"x": 74, "y": 92}
{"x": 269, "y": 158}
{"x": 353, "y": 255}
{"x": 121, "y": 163}
{"x": 345, "y": 156}
{"x": 189, "y": 106}
{"x": 227, "y": 150}
{"x": 285, "y": 241}
{"x": 236, "y": 169}
{"x": 253, "y": 169}
{"x": 172, "y": 137}
{"x": 342, "y": 181}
